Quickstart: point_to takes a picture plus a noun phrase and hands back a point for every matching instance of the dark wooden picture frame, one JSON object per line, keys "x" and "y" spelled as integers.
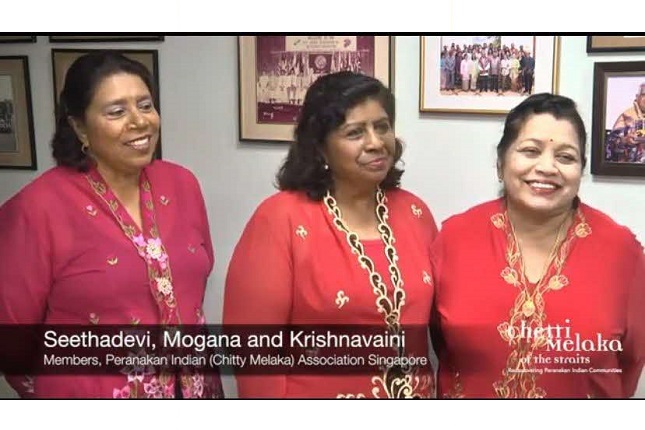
{"x": 89, "y": 38}
{"x": 17, "y": 39}
{"x": 62, "y": 59}
{"x": 618, "y": 127}
{"x": 17, "y": 141}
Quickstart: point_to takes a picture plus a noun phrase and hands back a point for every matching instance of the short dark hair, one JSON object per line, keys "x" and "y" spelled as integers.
{"x": 324, "y": 110}
{"x": 561, "y": 107}
{"x": 81, "y": 81}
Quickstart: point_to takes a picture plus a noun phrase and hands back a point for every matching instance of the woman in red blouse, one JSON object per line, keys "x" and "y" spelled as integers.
{"x": 93, "y": 240}
{"x": 538, "y": 294}
{"x": 341, "y": 243}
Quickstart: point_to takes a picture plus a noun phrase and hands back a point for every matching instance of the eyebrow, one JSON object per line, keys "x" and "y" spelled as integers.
{"x": 125, "y": 100}
{"x": 560, "y": 145}
{"x": 350, "y": 124}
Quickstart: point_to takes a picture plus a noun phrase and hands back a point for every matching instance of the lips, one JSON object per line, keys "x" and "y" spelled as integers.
{"x": 543, "y": 185}
{"x": 140, "y": 143}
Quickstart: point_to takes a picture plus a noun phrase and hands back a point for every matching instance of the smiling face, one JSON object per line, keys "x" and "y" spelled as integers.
{"x": 361, "y": 151}
{"x": 542, "y": 168}
{"x": 121, "y": 125}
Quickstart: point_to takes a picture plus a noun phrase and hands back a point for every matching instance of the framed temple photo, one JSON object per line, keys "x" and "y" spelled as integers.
{"x": 485, "y": 74}
{"x": 615, "y": 43}
{"x": 618, "y": 126}
{"x": 62, "y": 59}
{"x": 17, "y": 144}
{"x": 276, "y": 71}
{"x": 83, "y": 38}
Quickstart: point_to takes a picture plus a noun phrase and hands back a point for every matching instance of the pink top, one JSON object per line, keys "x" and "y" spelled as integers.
{"x": 72, "y": 255}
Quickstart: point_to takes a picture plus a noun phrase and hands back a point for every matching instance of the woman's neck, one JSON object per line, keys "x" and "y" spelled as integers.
{"x": 358, "y": 207}
{"x": 537, "y": 227}
{"x": 123, "y": 185}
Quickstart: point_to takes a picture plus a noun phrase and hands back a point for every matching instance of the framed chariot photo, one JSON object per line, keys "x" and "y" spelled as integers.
{"x": 62, "y": 59}
{"x": 618, "y": 126}
{"x": 615, "y": 43}
{"x": 276, "y": 71}
{"x": 17, "y": 144}
{"x": 485, "y": 74}
{"x": 82, "y": 38}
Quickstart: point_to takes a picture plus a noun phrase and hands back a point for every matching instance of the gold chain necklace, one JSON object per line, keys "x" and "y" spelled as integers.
{"x": 390, "y": 308}
{"x": 528, "y": 307}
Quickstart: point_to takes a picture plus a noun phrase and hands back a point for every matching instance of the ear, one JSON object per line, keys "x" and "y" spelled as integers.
{"x": 79, "y": 129}
{"x": 500, "y": 176}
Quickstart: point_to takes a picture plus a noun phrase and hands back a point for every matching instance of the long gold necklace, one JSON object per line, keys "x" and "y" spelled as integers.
{"x": 528, "y": 307}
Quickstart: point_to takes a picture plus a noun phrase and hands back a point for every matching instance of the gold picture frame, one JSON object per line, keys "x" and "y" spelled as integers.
{"x": 434, "y": 97}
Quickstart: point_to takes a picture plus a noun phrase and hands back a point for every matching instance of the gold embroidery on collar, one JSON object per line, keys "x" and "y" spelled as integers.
{"x": 395, "y": 382}
{"x": 517, "y": 379}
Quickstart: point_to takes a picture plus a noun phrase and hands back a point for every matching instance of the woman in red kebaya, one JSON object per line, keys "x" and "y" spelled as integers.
{"x": 93, "y": 240}
{"x": 538, "y": 294}
{"x": 341, "y": 243}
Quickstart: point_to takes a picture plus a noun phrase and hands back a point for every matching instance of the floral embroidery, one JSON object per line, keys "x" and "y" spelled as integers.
{"x": 91, "y": 210}
{"x": 583, "y": 230}
{"x": 529, "y": 309}
{"x": 498, "y": 220}
{"x": 164, "y": 286}
{"x": 416, "y": 211}
{"x": 557, "y": 282}
{"x": 191, "y": 249}
{"x": 113, "y": 261}
{"x": 94, "y": 319}
{"x": 341, "y": 299}
{"x": 426, "y": 278}
{"x": 164, "y": 200}
{"x": 300, "y": 231}
{"x": 510, "y": 276}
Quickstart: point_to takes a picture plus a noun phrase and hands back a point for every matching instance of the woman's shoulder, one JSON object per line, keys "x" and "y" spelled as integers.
{"x": 41, "y": 197}
{"x": 284, "y": 202}
{"x": 169, "y": 170}
{"x": 607, "y": 230}
{"x": 474, "y": 217}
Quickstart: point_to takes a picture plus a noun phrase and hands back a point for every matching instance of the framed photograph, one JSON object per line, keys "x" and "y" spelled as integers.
{"x": 62, "y": 59}
{"x": 18, "y": 39}
{"x": 276, "y": 71}
{"x": 82, "y": 38}
{"x": 618, "y": 126}
{"x": 17, "y": 144}
{"x": 615, "y": 43}
{"x": 485, "y": 74}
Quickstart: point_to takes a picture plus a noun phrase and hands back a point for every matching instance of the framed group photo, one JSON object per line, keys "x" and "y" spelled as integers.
{"x": 17, "y": 144}
{"x": 618, "y": 126}
{"x": 276, "y": 71}
{"x": 62, "y": 59}
{"x": 485, "y": 74}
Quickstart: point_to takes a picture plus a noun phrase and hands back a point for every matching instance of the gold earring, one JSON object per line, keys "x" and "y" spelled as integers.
{"x": 85, "y": 147}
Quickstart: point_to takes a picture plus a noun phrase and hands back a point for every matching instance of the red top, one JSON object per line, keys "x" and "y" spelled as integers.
{"x": 71, "y": 254}
{"x": 579, "y": 333}
{"x": 293, "y": 265}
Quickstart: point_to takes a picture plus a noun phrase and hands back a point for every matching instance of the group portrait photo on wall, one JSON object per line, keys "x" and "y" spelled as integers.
{"x": 618, "y": 130}
{"x": 485, "y": 74}
{"x": 276, "y": 71}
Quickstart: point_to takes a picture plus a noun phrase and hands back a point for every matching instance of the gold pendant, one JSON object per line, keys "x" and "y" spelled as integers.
{"x": 528, "y": 308}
